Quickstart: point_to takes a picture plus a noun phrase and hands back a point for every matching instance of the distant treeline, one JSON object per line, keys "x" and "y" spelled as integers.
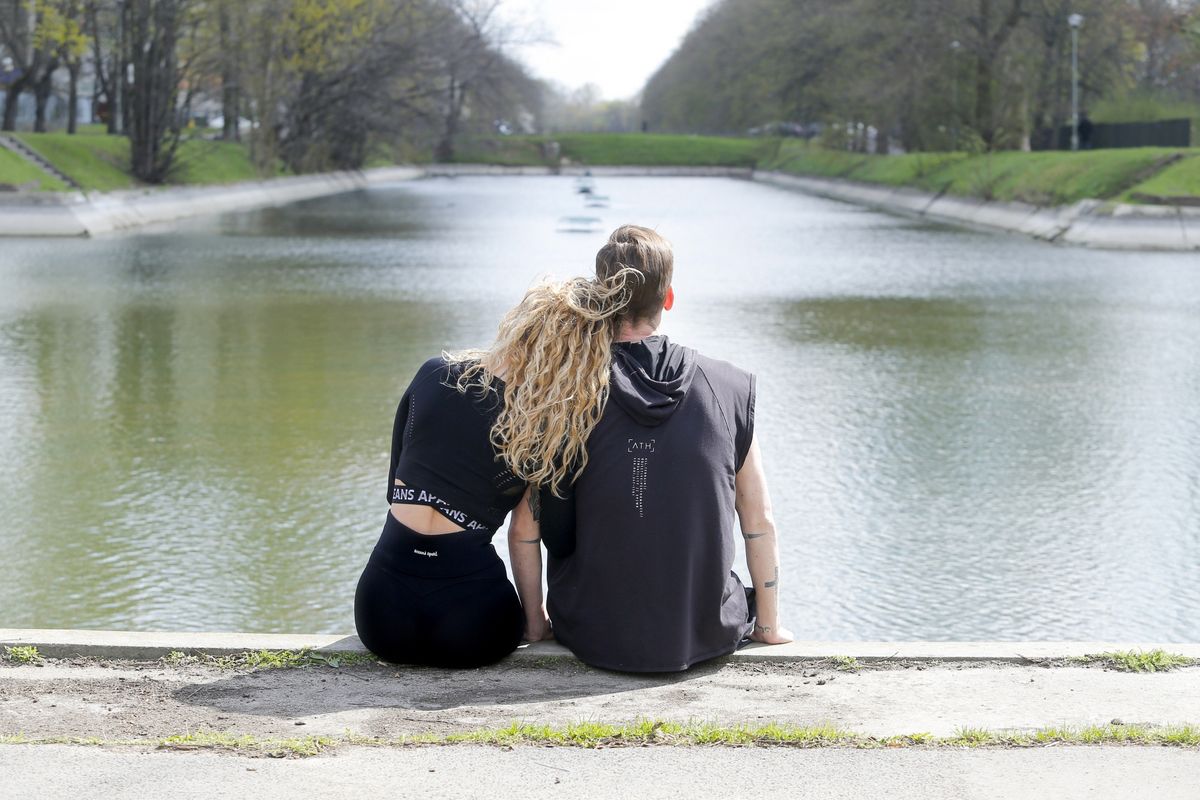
{"x": 311, "y": 84}
{"x": 921, "y": 74}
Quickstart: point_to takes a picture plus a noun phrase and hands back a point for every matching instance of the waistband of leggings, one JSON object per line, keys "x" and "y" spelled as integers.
{"x": 448, "y": 555}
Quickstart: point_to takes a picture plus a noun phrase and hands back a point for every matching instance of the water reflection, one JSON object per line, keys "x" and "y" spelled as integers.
{"x": 967, "y": 436}
{"x": 983, "y": 468}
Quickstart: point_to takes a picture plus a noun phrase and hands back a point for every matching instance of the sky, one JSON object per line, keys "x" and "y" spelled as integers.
{"x": 615, "y": 44}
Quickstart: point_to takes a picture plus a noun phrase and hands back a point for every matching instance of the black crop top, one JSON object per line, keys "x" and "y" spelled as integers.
{"x": 442, "y": 451}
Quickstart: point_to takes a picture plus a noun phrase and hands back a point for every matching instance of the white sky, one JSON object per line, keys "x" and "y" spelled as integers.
{"x": 615, "y": 44}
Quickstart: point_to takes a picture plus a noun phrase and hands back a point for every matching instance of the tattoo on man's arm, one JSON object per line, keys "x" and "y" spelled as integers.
{"x": 771, "y": 584}
{"x": 529, "y": 541}
{"x": 535, "y": 505}
{"x": 749, "y": 536}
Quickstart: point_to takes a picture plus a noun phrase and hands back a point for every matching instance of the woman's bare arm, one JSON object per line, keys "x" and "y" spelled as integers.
{"x": 525, "y": 553}
{"x": 762, "y": 549}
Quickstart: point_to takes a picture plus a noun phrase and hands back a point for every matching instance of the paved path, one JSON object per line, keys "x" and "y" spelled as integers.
{"x": 56, "y": 772}
{"x": 123, "y": 700}
{"x": 938, "y": 689}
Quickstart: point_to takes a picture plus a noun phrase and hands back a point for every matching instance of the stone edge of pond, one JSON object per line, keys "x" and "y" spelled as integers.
{"x": 150, "y": 645}
{"x": 1090, "y": 223}
{"x": 73, "y": 214}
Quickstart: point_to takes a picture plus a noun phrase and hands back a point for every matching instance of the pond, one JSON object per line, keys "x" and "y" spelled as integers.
{"x": 967, "y": 435}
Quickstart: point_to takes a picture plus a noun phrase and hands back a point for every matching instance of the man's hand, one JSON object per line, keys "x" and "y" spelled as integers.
{"x": 771, "y": 634}
{"x": 537, "y": 627}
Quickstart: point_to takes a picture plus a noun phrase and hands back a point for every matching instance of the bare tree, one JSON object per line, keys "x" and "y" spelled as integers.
{"x": 155, "y": 27}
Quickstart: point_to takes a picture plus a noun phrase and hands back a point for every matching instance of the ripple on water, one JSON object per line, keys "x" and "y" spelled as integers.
{"x": 967, "y": 436}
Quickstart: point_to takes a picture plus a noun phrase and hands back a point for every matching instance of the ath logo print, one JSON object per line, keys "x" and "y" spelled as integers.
{"x": 641, "y": 471}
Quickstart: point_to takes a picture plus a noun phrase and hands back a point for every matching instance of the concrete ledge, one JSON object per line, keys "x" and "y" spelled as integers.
{"x": 78, "y": 214}
{"x": 1090, "y": 223}
{"x": 141, "y": 645}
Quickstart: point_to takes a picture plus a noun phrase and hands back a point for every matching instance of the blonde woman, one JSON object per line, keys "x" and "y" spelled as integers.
{"x": 472, "y": 433}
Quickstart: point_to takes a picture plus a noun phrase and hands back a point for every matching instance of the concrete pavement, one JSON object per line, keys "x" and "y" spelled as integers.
{"x": 360, "y": 713}
{"x": 56, "y": 772}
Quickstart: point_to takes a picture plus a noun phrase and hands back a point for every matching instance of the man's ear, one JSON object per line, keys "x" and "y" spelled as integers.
{"x": 670, "y": 301}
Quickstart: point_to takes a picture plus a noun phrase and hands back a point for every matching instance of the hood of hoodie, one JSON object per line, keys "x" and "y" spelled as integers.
{"x": 650, "y": 378}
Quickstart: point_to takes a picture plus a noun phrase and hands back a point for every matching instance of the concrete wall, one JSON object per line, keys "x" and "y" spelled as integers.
{"x": 1089, "y": 223}
{"x": 77, "y": 214}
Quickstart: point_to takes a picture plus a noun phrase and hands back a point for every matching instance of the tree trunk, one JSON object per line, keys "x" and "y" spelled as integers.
{"x": 154, "y": 131}
{"x": 73, "y": 97}
{"x": 445, "y": 148}
{"x": 230, "y": 110}
{"x": 12, "y": 96}
{"x": 41, "y": 94}
{"x": 984, "y": 124}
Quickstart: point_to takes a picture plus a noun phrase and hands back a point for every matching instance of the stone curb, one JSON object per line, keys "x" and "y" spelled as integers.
{"x": 1089, "y": 223}
{"x": 79, "y": 214}
{"x": 148, "y": 646}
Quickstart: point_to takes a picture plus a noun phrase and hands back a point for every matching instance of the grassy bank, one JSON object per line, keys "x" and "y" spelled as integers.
{"x": 616, "y": 149}
{"x": 1044, "y": 178}
{"x": 1149, "y": 174}
{"x": 99, "y": 162}
{"x": 1143, "y": 175}
{"x": 18, "y": 173}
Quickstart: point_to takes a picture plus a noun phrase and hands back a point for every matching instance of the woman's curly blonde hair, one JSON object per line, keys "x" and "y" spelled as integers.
{"x": 553, "y": 353}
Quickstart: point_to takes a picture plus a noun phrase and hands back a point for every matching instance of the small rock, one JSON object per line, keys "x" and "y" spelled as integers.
{"x": 1117, "y": 721}
{"x": 301, "y": 722}
{"x": 821, "y": 682}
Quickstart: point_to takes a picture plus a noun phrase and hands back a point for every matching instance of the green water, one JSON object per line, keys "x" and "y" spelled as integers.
{"x": 967, "y": 436}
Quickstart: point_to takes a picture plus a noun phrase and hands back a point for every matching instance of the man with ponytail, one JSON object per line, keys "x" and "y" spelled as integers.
{"x": 638, "y": 479}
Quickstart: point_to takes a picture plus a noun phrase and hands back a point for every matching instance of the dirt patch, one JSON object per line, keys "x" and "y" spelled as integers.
{"x": 112, "y": 700}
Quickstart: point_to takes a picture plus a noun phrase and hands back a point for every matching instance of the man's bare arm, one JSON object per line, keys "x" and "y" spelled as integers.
{"x": 762, "y": 549}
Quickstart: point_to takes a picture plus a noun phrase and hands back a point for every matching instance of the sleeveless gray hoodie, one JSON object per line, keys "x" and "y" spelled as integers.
{"x": 649, "y": 586}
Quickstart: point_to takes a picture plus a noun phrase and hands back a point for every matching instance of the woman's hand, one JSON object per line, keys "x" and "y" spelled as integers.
{"x": 771, "y": 634}
{"x": 537, "y": 627}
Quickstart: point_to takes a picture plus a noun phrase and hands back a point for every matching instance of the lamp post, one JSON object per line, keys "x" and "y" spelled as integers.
{"x": 1075, "y": 21}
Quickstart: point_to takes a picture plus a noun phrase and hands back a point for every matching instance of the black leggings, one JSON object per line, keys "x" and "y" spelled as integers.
{"x": 442, "y": 600}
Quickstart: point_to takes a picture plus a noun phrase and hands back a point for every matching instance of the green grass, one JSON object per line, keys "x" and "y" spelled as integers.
{"x": 269, "y": 659}
{"x": 16, "y": 171}
{"x": 1138, "y": 661}
{"x": 1178, "y": 183}
{"x": 207, "y": 162}
{"x": 652, "y": 149}
{"x": 507, "y": 151}
{"x": 1043, "y": 178}
{"x": 22, "y": 654}
{"x": 912, "y": 169}
{"x": 648, "y": 732}
{"x": 846, "y": 663}
{"x": 217, "y": 740}
{"x": 98, "y": 162}
{"x": 617, "y": 149}
{"x": 95, "y": 161}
